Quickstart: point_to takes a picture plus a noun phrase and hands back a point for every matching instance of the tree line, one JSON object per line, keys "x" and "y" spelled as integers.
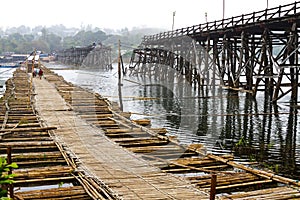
{"x": 52, "y": 39}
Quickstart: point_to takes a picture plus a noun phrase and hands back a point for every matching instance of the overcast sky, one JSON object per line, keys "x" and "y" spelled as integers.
{"x": 117, "y": 14}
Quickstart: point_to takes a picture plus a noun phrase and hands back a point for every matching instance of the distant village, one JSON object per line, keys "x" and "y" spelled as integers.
{"x": 11, "y": 59}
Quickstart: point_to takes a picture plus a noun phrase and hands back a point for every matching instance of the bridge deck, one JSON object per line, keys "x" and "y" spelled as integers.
{"x": 276, "y": 19}
{"x": 105, "y": 156}
{"x": 126, "y": 173}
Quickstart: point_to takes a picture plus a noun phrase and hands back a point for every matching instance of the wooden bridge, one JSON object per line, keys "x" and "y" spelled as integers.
{"x": 74, "y": 144}
{"x": 250, "y": 52}
{"x": 92, "y": 56}
{"x": 71, "y": 143}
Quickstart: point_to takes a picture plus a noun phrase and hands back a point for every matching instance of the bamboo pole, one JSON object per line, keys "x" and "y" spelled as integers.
{"x": 201, "y": 169}
{"x": 271, "y": 192}
{"x": 8, "y": 131}
{"x": 230, "y": 185}
{"x": 260, "y": 173}
{"x": 25, "y": 144}
{"x": 89, "y": 188}
{"x": 57, "y": 179}
{"x": 74, "y": 192}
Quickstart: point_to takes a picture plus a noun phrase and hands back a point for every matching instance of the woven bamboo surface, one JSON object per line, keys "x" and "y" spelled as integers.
{"x": 126, "y": 173}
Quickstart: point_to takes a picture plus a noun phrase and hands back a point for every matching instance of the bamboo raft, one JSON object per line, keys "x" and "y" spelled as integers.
{"x": 45, "y": 171}
{"x": 45, "y": 160}
{"x": 126, "y": 173}
{"x": 190, "y": 162}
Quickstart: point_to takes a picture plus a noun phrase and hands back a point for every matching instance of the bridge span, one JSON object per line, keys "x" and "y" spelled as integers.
{"x": 71, "y": 143}
{"x": 252, "y": 52}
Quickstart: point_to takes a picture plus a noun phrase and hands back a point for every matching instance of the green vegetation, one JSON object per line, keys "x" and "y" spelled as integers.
{"x": 242, "y": 142}
{"x": 242, "y": 147}
{"x": 52, "y": 39}
{"x": 5, "y": 178}
{"x": 60, "y": 184}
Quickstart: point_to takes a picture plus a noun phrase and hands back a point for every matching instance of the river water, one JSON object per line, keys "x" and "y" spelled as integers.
{"x": 221, "y": 119}
{"x": 5, "y": 74}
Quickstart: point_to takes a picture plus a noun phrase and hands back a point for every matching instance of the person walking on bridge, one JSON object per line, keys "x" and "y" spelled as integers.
{"x": 41, "y": 73}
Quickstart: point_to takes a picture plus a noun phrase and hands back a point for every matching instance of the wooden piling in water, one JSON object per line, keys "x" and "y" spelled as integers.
{"x": 213, "y": 186}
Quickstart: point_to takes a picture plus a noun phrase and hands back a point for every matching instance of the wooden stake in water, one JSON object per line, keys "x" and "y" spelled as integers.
{"x": 119, "y": 63}
{"x": 213, "y": 185}
{"x": 11, "y": 189}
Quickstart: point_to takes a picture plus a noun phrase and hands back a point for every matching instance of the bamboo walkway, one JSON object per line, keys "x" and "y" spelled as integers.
{"x": 129, "y": 176}
{"x": 43, "y": 172}
{"x": 66, "y": 134}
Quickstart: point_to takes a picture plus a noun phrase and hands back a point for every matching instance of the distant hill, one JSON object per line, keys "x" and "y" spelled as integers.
{"x": 24, "y": 39}
{"x": 130, "y": 39}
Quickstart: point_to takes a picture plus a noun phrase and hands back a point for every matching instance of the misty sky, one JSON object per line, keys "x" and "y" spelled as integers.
{"x": 117, "y": 14}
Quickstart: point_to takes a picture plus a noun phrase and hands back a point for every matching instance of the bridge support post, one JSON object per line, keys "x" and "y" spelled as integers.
{"x": 223, "y": 61}
{"x": 207, "y": 77}
{"x": 294, "y": 59}
{"x": 215, "y": 60}
{"x": 248, "y": 63}
{"x": 290, "y": 58}
{"x": 230, "y": 53}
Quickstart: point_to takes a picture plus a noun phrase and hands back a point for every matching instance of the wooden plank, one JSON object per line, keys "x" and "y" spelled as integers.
{"x": 62, "y": 192}
{"x": 2, "y": 131}
{"x": 67, "y": 179}
{"x": 25, "y": 144}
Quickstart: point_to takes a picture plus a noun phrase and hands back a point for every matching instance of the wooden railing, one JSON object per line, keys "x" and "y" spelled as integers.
{"x": 288, "y": 10}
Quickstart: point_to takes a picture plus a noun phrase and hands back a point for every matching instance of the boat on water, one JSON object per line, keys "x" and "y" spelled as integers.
{"x": 9, "y": 65}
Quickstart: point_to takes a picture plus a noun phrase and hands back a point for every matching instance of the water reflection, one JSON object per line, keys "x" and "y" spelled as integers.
{"x": 288, "y": 149}
{"x": 220, "y": 119}
{"x": 164, "y": 97}
{"x": 269, "y": 134}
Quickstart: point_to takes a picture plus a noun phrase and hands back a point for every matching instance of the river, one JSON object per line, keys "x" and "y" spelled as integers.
{"x": 5, "y": 74}
{"x": 221, "y": 119}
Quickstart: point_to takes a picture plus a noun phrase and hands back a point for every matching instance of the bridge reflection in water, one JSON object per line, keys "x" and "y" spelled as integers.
{"x": 256, "y": 53}
{"x": 229, "y": 121}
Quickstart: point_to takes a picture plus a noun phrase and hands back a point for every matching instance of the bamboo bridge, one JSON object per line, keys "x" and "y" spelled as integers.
{"x": 253, "y": 52}
{"x": 71, "y": 143}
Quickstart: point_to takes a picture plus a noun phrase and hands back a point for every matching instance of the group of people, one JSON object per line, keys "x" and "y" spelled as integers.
{"x": 37, "y": 71}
